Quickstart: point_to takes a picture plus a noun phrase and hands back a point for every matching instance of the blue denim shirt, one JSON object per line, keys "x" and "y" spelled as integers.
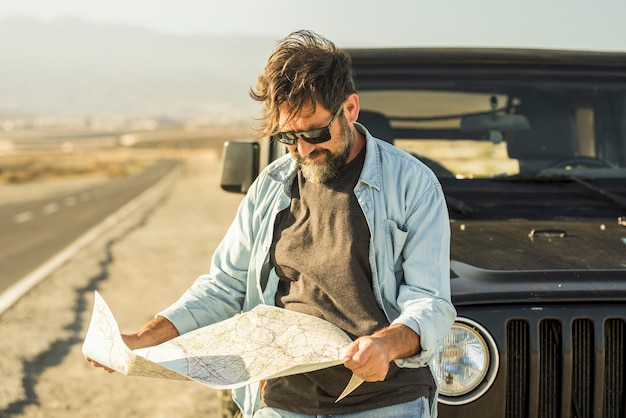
{"x": 409, "y": 252}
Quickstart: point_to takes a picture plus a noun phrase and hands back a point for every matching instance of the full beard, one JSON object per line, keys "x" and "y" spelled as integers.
{"x": 328, "y": 167}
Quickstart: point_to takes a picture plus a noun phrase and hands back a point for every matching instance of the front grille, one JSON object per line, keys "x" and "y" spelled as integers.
{"x": 573, "y": 369}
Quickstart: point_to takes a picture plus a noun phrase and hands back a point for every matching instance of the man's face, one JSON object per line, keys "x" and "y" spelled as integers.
{"x": 320, "y": 162}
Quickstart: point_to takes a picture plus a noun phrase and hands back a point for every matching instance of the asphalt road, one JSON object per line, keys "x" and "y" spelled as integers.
{"x": 140, "y": 265}
{"x": 33, "y": 232}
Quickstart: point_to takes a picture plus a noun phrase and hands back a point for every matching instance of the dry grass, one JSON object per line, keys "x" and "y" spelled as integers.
{"x": 18, "y": 169}
{"x": 33, "y": 166}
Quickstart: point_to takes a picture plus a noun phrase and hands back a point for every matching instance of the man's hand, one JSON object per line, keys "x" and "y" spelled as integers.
{"x": 96, "y": 364}
{"x": 369, "y": 357}
{"x": 154, "y": 332}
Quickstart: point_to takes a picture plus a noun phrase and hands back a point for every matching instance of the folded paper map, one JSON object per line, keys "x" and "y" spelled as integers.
{"x": 261, "y": 344}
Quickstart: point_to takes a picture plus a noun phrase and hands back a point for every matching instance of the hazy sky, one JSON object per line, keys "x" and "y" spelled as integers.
{"x": 572, "y": 24}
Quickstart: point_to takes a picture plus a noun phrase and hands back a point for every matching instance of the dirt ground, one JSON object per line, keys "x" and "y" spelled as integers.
{"x": 139, "y": 267}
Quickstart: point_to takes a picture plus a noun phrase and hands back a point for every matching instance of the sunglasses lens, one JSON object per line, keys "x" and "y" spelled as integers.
{"x": 317, "y": 136}
{"x": 286, "y": 138}
{"x": 313, "y": 136}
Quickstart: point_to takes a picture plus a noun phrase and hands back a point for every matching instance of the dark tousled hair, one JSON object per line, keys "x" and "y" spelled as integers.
{"x": 304, "y": 68}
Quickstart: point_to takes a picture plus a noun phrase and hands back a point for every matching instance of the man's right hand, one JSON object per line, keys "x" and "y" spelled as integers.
{"x": 96, "y": 364}
{"x": 154, "y": 332}
{"x": 129, "y": 339}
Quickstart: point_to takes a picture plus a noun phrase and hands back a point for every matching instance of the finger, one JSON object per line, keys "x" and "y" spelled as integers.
{"x": 370, "y": 375}
{"x": 362, "y": 353}
{"x": 352, "y": 349}
{"x": 98, "y": 365}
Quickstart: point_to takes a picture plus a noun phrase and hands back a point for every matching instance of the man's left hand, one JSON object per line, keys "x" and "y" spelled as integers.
{"x": 369, "y": 357}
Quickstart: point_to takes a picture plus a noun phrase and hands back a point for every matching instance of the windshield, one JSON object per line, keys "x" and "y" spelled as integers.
{"x": 530, "y": 145}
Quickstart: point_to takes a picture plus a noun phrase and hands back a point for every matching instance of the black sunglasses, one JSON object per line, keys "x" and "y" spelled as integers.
{"x": 313, "y": 136}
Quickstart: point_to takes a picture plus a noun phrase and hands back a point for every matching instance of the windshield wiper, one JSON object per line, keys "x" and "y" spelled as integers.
{"x": 613, "y": 197}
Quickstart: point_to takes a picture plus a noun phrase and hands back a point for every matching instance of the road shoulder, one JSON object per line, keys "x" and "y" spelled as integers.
{"x": 139, "y": 266}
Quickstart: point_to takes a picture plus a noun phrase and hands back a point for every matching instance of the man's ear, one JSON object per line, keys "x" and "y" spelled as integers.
{"x": 351, "y": 108}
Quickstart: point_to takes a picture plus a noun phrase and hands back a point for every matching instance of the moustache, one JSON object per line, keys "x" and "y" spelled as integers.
{"x": 314, "y": 154}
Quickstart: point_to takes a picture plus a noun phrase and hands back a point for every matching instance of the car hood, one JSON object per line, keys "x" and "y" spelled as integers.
{"x": 540, "y": 245}
{"x": 552, "y": 261}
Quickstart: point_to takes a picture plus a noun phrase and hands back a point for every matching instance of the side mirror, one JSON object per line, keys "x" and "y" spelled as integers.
{"x": 240, "y": 165}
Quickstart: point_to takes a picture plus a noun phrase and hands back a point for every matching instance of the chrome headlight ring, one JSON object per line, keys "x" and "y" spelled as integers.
{"x": 467, "y": 363}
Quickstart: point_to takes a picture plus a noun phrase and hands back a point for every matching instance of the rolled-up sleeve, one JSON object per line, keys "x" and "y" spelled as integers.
{"x": 424, "y": 294}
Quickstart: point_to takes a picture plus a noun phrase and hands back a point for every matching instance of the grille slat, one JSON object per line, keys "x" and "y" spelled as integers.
{"x": 583, "y": 348}
{"x": 518, "y": 358}
{"x": 550, "y": 361}
{"x": 615, "y": 368}
{"x": 569, "y": 357}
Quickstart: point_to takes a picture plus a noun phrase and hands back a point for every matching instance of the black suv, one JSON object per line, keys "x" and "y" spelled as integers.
{"x": 530, "y": 148}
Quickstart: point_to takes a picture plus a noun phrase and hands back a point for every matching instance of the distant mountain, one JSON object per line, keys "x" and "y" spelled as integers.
{"x": 72, "y": 68}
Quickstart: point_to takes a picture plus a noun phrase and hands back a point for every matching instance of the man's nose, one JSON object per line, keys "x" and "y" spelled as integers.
{"x": 304, "y": 148}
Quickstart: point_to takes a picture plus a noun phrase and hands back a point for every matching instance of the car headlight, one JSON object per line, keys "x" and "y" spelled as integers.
{"x": 466, "y": 364}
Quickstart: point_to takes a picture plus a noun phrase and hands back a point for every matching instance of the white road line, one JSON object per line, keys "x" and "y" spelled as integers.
{"x": 70, "y": 201}
{"x": 51, "y": 208}
{"x": 148, "y": 197}
{"x": 20, "y": 218}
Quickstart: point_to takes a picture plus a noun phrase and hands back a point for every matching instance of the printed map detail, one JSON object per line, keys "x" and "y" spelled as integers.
{"x": 264, "y": 343}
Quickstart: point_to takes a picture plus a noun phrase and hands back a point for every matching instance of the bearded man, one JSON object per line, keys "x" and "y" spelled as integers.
{"x": 344, "y": 227}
